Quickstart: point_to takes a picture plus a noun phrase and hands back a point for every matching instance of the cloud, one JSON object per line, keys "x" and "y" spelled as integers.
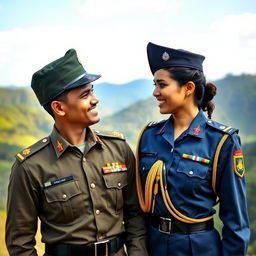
{"x": 118, "y": 50}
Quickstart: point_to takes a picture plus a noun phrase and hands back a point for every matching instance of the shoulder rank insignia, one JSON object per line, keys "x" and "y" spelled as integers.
{"x": 153, "y": 123}
{"x": 113, "y": 134}
{"x": 114, "y": 167}
{"x": 27, "y": 152}
{"x": 222, "y": 127}
{"x": 238, "y": 163}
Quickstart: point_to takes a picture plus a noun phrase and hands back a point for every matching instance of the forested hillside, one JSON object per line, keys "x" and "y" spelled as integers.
{"x": 23, "y": 121}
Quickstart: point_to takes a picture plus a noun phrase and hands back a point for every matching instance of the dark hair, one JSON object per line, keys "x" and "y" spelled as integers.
{"x": 204, "y": 92}
{"x": 61, "y": 97}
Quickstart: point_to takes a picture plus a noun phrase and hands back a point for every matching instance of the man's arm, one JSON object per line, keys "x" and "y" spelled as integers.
{"x": 21, "y": 222}
{"x": 136, "y": 231}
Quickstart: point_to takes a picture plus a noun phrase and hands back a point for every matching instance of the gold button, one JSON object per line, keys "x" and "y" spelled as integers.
{"x": 64, "y": 196}
{"x": 119, "y": 184}
{"x": 84, "y": 159}
{"x": 97, "y": 212}
{"x": 93, "y": 185}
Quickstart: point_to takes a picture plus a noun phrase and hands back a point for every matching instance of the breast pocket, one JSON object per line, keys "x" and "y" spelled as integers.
{"x": 63, "y": 202}
{"x": 114, "y": 183}
{"x": 147, "y": 159}
{"x": 193, "y": 176}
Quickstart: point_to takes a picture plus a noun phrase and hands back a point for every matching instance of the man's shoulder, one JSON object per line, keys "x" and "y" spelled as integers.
{"x": 109, "y": 135}
{"x": 33, "y": 149}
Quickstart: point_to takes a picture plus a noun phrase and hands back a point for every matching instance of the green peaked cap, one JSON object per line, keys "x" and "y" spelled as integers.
{"x": 59, "y": 76}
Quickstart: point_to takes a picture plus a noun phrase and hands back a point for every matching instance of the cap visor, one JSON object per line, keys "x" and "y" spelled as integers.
{"x": 85, "y": 79}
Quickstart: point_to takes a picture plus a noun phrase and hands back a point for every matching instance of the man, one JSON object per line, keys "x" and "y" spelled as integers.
{"x": 79, "y": 182}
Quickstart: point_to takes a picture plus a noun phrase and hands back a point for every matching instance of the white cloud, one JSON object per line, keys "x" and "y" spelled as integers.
{"x": 118, "y": 51}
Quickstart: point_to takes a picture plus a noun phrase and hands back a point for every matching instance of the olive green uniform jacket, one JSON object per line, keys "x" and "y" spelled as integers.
{"x": 76, "y": 202}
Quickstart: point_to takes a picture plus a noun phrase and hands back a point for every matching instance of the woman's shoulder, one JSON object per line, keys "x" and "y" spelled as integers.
{"x": 219, "y": 127}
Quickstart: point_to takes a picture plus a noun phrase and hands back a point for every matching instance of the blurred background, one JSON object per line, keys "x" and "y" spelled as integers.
{"x": 110, "y": 37}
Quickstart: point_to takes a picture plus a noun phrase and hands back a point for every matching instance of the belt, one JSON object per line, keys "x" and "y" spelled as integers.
{"x": 102, "y": 248}
{"x": 169, "y": 226}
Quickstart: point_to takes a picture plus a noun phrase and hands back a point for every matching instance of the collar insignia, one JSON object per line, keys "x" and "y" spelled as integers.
{"x": 196, "y": 130}
{"x": 59, "y": 146}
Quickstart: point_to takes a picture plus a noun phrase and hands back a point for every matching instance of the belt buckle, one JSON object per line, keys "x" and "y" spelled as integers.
{"x": 100, "y": 242}
{"x": 165, "y": 225}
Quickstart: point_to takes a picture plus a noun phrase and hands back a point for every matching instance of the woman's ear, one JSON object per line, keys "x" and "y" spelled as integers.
{"x": 57, "y": 107}
{"x": 190, "y": 88}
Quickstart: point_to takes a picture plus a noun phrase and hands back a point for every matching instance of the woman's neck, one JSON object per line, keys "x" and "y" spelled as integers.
{"x": 182, "y": 121}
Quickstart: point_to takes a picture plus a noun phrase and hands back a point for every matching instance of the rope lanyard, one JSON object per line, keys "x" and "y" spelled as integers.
{"x": 157, "y": 176}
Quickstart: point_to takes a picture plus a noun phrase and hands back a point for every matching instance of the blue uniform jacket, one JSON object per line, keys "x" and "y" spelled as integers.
{"x": 190, "y": 187}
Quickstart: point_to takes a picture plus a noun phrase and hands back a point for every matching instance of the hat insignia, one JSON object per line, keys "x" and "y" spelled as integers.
{"x": 165, "y": 56}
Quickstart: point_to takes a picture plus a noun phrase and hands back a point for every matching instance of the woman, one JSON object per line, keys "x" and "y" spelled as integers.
{"x": 186, "y": 162}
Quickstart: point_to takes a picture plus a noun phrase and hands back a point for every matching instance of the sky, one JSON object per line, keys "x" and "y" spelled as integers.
{"x": 110, "y": 36}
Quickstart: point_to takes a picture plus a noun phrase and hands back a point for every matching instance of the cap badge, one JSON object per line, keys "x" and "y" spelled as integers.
{"x": 165, "y": 56}
{"x": 59, "y": 146}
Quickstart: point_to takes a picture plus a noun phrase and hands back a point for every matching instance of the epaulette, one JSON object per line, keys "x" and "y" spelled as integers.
{"x": 113, "y": 134}
{"x": 153, "y": 123}
{"x": 29, "y": 151}
{"x": 222, "y": 127}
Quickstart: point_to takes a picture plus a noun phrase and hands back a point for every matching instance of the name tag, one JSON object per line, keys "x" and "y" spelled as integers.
{"x": 58, "y": 181}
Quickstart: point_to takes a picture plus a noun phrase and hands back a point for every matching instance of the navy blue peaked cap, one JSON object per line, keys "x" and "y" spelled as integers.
{"x": 163, "y": 57}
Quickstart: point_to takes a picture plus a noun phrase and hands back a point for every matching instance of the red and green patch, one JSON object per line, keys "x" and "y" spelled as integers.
{"x": 238, "y": 161}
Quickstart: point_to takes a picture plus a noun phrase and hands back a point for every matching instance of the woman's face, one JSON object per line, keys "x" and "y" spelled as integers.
{"x": 169, "y": 94}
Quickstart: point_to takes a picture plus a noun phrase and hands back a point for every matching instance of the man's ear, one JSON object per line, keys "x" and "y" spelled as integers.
{"x": 190, "y": 88}
{"x": 57, "y": 108}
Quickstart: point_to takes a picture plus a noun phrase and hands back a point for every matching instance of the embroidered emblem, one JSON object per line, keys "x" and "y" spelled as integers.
{"x": 196, "y": 130}
{"x": 26, "y": 151}
{"x": 196, "y": 158}
{"x": 59, "y": 146}
{"x": 165, "y": 56}
{"x": 114, "y": 167}
{"x": 238, "y": 163}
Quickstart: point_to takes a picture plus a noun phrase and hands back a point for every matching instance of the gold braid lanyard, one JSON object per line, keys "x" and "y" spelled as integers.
{"x": 155, "y": 175}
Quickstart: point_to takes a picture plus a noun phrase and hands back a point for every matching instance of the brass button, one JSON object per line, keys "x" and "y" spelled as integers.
{"x": 64, "y": 196}
{"x": 97, "y": 212}
{"x": 119, "y": 184}
{"x": 84, "y": 159}
{"x": 93, "y": 185}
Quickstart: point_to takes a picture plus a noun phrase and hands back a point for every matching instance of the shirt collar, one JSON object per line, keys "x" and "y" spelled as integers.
{"x": 60, "y": 145}
{"x": 196, "y": 128}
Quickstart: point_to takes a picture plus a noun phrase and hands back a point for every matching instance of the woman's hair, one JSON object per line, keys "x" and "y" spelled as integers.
{"x": 204, "y": 92}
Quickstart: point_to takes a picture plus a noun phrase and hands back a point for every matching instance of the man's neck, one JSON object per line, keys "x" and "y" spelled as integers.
{"x": 74, "y": 136}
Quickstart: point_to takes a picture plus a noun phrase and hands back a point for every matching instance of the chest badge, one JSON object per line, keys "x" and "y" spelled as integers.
{"x": 59, "y": 146}
{"x": 114, "y": 167}
{"x": 197, "y": 130}
{"x": 238, "y": 163}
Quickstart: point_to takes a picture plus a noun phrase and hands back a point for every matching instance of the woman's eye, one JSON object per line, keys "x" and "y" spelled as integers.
{"x": 162, "y": 85}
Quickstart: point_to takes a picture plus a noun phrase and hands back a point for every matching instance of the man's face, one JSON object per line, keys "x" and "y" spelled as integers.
{"x": 80, "y": 107}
